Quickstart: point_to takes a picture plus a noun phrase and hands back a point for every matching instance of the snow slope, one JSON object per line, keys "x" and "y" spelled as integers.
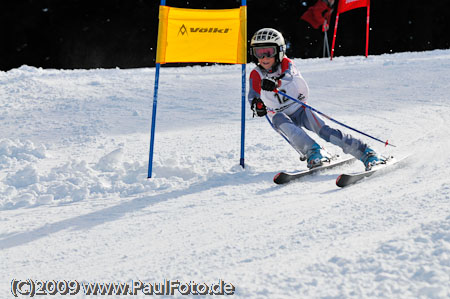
{"x": 75, "y": 202}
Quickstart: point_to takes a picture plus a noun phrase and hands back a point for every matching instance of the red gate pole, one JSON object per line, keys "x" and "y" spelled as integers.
{"x": 334, "y": 36}
{"x": 367, "y": 28}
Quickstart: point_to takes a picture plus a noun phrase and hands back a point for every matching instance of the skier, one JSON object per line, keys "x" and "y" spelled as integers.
{"x": 275, "y": 70}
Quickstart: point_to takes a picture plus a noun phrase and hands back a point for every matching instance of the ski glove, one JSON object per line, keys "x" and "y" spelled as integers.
{"x": 268, "y": 84}
{"x": 258, "y": 107}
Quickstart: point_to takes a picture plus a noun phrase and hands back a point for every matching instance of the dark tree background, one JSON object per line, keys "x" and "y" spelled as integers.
{"x": 122, "y": 33}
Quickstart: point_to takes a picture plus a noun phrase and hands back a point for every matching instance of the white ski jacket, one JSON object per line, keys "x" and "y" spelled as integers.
{"x": 290, "y": 82}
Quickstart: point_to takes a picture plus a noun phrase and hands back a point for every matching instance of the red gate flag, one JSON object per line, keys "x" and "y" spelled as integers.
{"x": 346, "y": 5}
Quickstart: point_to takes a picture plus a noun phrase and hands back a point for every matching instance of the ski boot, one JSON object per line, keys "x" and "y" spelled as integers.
{"x": 370, "y": 158}
{"x": 316, "y": 156}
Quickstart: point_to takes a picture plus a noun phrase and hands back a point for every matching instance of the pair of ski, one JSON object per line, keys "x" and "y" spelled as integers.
{"x": 343, "y": 180}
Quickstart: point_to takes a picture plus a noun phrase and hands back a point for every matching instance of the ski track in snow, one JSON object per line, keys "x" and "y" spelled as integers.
{"x": 76, "y": 204}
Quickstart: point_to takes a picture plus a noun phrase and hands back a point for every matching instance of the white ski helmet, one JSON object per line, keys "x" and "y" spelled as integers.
{"x": 268, "y": 37}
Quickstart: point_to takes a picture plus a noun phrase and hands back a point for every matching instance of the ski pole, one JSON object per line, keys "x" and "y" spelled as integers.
{"x": 386, "y": 143}
{"x": 302, "y": 156}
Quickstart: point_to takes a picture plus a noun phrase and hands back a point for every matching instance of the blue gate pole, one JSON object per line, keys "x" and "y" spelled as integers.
{"x": 155, "y": 102}
{"x": 243, "y": 117}
{"x": 243, "y": 3}
{"x": 152, "y": 134}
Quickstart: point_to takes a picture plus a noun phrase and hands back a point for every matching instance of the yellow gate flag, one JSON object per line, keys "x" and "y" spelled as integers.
{"x": 202, "y": 35}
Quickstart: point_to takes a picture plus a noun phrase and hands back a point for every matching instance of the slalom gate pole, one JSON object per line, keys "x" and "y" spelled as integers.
{"x": 386, "y": 143}
{"x": 334, "y": 35}
{"x": 155, "y": 103}
{"x": 241, "y": 161}
{"x": 367, "y": 28}
{"x": 326, "y": 46}
{"x": 243, "y": 73}
{"x": 152, "y": 132}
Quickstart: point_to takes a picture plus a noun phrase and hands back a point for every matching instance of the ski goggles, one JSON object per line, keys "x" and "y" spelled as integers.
{"x": 266, "y": 51}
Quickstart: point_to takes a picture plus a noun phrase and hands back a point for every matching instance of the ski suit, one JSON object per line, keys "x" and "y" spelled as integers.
{"x": 290, "y": 118}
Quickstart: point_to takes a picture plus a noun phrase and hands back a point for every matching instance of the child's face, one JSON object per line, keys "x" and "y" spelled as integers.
{"x": 267, "y": 62}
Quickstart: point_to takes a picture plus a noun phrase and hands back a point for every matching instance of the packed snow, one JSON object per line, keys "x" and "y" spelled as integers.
{"x": 76, "y": 204}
